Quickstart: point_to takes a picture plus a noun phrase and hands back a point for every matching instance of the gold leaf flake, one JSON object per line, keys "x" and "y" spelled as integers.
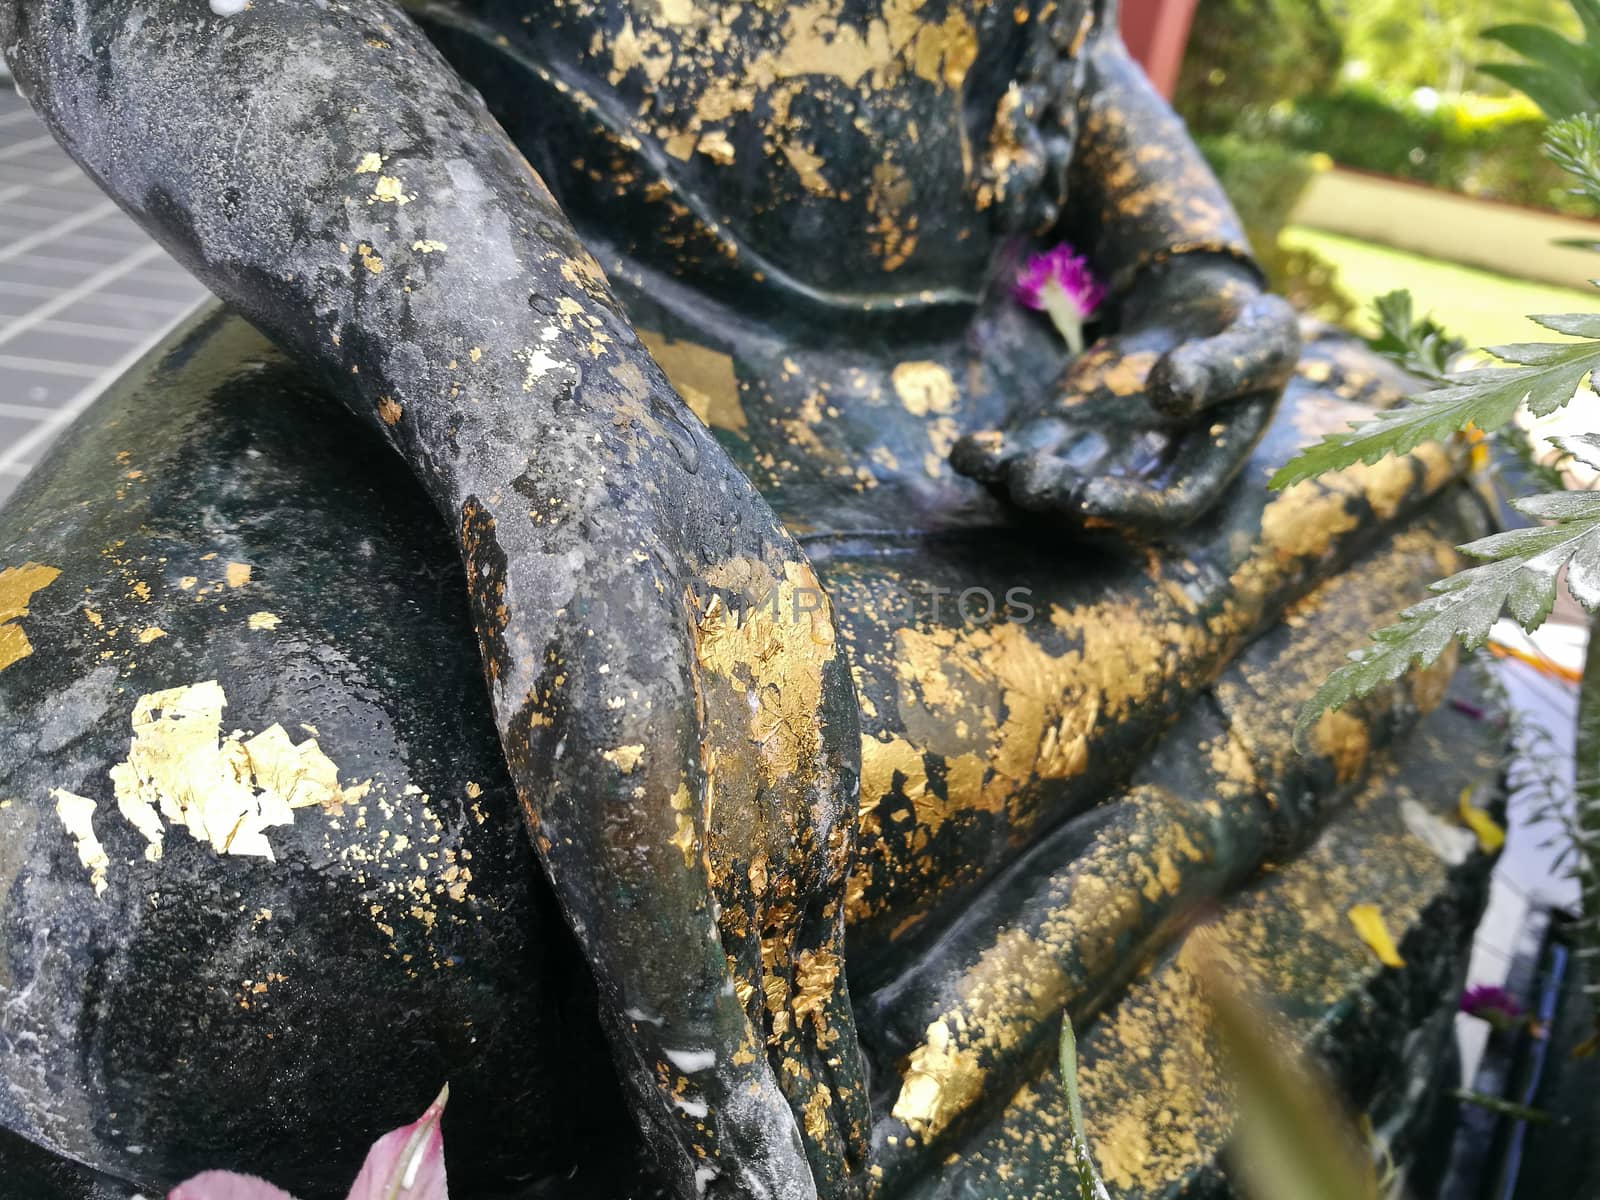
{"x": 77, "y": 817}
{"x": 17, "y": 586}
{"x": 624, "y": 758}
{"x": 389, "y": 190}
{"x": 370, "y": 163}
{"x": 225, "y": 791}
{"x": 1490, "y": 836}
{"x": 264, "y": 620}
{"x": 1368, "y": 922}
{"x": 238, "y": 574}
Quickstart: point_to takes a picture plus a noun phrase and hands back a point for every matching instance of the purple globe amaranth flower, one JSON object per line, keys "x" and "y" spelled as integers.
{"x": 1059, "y": 282}
{"x": 1493, "y": 1004}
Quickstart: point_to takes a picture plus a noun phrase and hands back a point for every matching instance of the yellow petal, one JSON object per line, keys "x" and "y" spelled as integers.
{"x": 1369, "y": 924}
{"x": 1490, "y": 836}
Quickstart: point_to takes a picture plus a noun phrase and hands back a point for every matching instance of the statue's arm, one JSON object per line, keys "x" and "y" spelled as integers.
{"x": 1141, "y": 192}
{"x": 321, "y": 167}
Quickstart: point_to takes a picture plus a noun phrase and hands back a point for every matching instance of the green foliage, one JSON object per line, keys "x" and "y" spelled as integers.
{"x": 1479, "y": 146}
{"x": 1534, "y": 459}
{"x": 1520, "y": 567}
{"x": 1420, "y": 346}
{"x": 1090, "y": 1186}
{"x": 1586, "y": 819}
{"x": 1573, "y": 144}
{"x": 1519, "y": 572}
{"x": 1562, "y": 76}
{"x": 1246, "y": 55}
{"x": 1545, "y": 377}
{"x": 1433, "y": 43}
{"x": 1264, "y": 180}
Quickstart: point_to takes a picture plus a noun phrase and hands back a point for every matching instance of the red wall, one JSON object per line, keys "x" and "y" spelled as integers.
{"x": 1156, "y": 31}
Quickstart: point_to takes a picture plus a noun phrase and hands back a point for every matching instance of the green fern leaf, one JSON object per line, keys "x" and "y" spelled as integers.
{"x": 1421, "y": 346}
{"x": 1545, "y": 377}
{"x": 1519, "y": 573}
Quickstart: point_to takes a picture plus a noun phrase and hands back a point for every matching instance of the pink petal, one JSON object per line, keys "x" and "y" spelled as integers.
{"x": 406, "y": 1163}
{"x": 225, "y": 1185}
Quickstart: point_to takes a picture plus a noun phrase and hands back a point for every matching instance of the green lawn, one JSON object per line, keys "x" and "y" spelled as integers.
{"x": 1484, "y": 308}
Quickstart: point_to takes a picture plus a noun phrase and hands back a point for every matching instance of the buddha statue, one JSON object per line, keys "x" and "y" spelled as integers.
{"x": 824, "y": 677}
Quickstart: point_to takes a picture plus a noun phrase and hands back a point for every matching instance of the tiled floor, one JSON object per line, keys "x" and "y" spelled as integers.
{"x": 83, "y": 291}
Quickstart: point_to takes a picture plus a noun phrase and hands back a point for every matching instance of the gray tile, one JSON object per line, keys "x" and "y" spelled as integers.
{"x": 165, "y": 308}
{"x": 36, "y": 388}
{"x": 177, "y": 289}
{"x": 109, "y": 333}
{"x": 37, "y": 294}
{"x": 63, "y": 348}
{"x": 17, "y": 174}
{"x": 61, "y": 200}
{"x": 10, "y": 360}
{"x": 48, "y": 157}
{"x": 17, "y": 303}
{"x": 70, "y": 247}
{"x": 108, "y": 231}
{"x": 24, "y": 272}
{"x": 33, "y": 141}
{"x": 13, "y": 430}
{"x": 18, "y": 218}
{"x": 119, "y": 314}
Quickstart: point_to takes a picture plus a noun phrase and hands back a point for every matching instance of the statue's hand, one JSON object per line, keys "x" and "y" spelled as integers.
{"x": 1145, "y": 429}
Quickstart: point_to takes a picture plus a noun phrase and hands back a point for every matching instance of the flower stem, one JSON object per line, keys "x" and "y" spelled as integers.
{"x": 1063, "y": 314}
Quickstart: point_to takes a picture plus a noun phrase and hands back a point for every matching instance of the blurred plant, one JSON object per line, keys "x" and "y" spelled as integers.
{"x": 1429, "y": 43}
{"x": 1290, "y": 1139}
{"x": 1243, "y": 56}
{"x": 1265, "y": 181}
{"x": 404, "y": 1164}
{"x": 1420, "y": 346}
{"x": 1562, "y": 76}
{"x": 1519, "y": 569}
{"x": 1087, "y": 1175}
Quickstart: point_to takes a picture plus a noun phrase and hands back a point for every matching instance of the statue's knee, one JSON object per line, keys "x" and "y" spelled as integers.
{"x": 262, "y": 873}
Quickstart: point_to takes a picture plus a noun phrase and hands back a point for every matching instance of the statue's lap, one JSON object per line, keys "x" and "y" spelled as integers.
{"x": 1060, "y": 755}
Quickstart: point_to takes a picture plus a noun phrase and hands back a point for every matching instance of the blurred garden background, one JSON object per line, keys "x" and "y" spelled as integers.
{"x": 1302, "y": 105}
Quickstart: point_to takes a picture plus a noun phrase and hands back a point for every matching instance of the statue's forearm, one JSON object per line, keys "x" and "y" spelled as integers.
{"x": 1141, "y": 191}
{"x": 324, "y": 170}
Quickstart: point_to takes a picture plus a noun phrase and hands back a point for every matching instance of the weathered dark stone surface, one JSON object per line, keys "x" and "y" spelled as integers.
{"x": 1157, "y": 1103}
{"x": 219, "y": 1009}
{"x": 808, "y": 218}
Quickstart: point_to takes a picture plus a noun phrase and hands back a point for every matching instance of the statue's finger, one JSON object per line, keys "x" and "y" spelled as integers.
{"x": 986, "y": 454}
{"x": 1044, "y": 483}
{"x": 1256, "y": 353}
